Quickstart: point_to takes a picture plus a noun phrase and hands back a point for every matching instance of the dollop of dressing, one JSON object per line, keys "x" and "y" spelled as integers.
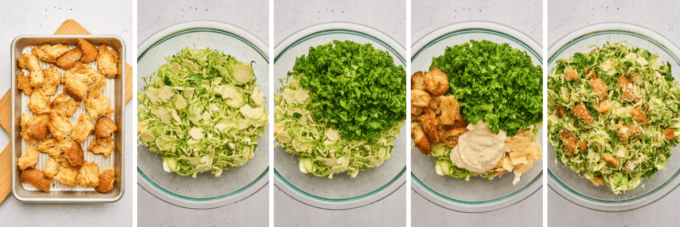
{"x": 479, "y": 149}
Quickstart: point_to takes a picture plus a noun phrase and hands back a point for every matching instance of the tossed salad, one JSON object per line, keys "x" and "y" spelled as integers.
{"x": 203, "y": 111}
{"x": 340, "y": 108}
{"x": 613, "y": 112}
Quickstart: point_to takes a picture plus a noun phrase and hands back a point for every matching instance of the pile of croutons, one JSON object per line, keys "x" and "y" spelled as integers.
{"x": 438, "y": 115}
{"x": 66, "y": 163}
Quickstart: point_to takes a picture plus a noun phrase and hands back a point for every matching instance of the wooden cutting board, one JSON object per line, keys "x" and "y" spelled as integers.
{"x": 69, "y": 27}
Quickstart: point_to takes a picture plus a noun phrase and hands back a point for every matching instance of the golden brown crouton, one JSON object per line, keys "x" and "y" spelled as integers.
{"x": 64, "y": 105}
{"x": 610, "y": 160}
{"x": 106, "y": 180}
{"x": 98, "y": 86}
{"x": 24, "y": 83}
{"x": 34, "y": 127}
{"x": 416, "y": 110}
{"x": 69, "y": 58}
{"x": 570, "y": 74}
{"x": 77, "y": 80}
{"x": 450, "y": 110}
{"x": 560, "y": 111}
{"x": 60, "y": 126}
{"x": 98, "y": 106}
{"x": 82, "y": 129}
{"x": 429, "y": 123}
{"x": 107, "y": 61}
{"x": 88, "y": 176}
{"x": 28, "y": 159}
{"x": 51, "y": 168}
{"x": 582, "y": 146}
{"x": 669, "y": 134}
{"x": 74, "y": 154}
{"x": 450, "y": 137}
{"x": 638, "y": 116}
{"x": 67, "y": 174}
{"x": 102, "y": 145}
{"x": 104, "y": 127}
{"x": 418, "y": 81}
{"x": 582, "y": 113}
{"x": 49, "y": 53}
{"x": 52, "y": 80}
{"x": 421, "y": 141}
{"x": 435, "y": 105}
{"x": 597, "y": 181}
{"x": 603, "y": 108}
{"x": 570, "y": 142}
{"x": 36, "y": 178}
{"x": 30, "y": 62}
{"x": 627, "y": 92}
{"x": 89, "y": 51}
{"x": 420, "y": 98}
{"x": 437, "y": 82}
{"x": 53, "y": 147}
{"x": 39, "y": 103}
{"x": 600, "y": 88}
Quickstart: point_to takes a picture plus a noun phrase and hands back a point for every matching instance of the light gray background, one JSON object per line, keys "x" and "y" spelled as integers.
{"x": 99, "y": 17}
{"x": 566, "y": 16}
{"x": 252, "y": 16}
{"x": 387, "y": 16}
{"x": 525, "y": 16}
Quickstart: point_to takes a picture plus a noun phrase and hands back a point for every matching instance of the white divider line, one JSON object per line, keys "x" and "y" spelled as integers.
{"x": 545, "y": 112}
{"x": 270, "y": 101}
{"x": 408, "y": 110}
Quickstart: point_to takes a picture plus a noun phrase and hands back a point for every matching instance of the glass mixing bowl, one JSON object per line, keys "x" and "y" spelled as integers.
{"x": 478, "y": 194}
{"x": 571, "y": 185}
{"x": 205, "y": 191}
{"x": 341, "y": 192}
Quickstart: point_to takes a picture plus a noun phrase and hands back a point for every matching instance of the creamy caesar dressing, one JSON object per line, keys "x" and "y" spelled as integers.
{"x": 478, "y": 150}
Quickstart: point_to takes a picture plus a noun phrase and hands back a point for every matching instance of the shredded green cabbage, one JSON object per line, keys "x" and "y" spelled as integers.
{"x": 646, "y": 151}
{"x": 203, "y": 111}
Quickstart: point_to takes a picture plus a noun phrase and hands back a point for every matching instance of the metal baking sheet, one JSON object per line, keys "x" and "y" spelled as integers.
{"x": 115, "y": 90}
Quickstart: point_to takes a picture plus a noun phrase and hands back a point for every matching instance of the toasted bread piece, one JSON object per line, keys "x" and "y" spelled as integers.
{"x": 36, "y": 178}
{"x": 420, "y": 98}
{"x": 603, "y": 108}
{"x": 74, "y": 154}
{"x": 28, "y": 159}
{"x": 50, "y": 53}
{"x": 51, "y": 168}
{"x": 421, "y": 141}
{"x": 639, "y": 116}
{"x": 450, "y": 137}
{"x": 600, "y": 88}
{"x": 30, "y": 62}
{"x": 67, "y": 174}
{"x": 34, "y": 127}
{"x": 24, "y": 83}
{"x": 62, "y": 104}
{"x": 106, "y": 180}
{"x": 669, "y": 134}
{"x": 52, "y": 80}
{"x": 69, "y": 58}
{"x": 77, "y": 80}
{"x": 39, "y": 103}
{"x": 450, "y": 110}
{"x": 88, "y": 176}
{"x": 625, "y": 85}
{"x": 102, "y": 145}
{"x": 104, "y": 127}
{"x": 610, "y": 160}
{"x": 82, "y": 129}
{"x": 418, "y": 81}
{"x": 107, "y": 62}
{"x": 429, "y": 123}
{"x": 53, "y": 147}
{"x": 98, "y": 87}
{"x": 437, "y": 82}
{"x": 98, "y": 106}
{"x": 570, "y": 74}
{"x": 89, "y": 51}
{"x": 60, "y": 126}
{"x": 580, "y": 111}
{"x": 570, "y": 142}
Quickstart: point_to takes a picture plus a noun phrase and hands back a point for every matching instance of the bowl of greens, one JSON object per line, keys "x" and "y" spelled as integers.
{"x": 202, "y": 114}
{"x": 495, "y": 75}
{"x": 613, "y": 93}
{"x": 340, "y": 109}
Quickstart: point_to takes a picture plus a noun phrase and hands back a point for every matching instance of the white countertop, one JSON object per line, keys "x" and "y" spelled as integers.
{"x": 386, "y": 16}
{"x": 662, "y": 17}
{"x": 99, "y": 17}
{"x": 252, "y": 16}
{"x": 525, "y": 16}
